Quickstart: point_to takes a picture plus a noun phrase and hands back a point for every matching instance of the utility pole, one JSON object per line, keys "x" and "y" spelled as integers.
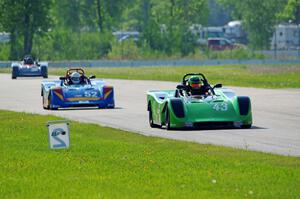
{"x": 275, "y": 42}
{"x": 100, "y": 16}
{"x": 298, "y": 40}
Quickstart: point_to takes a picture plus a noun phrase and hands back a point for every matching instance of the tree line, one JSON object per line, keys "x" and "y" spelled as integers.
{"x": 82, "y": 29}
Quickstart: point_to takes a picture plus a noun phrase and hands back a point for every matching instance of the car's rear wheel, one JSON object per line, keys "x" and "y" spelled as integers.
{"x": 111, "y": 106}
{"x": 246, "y": 126}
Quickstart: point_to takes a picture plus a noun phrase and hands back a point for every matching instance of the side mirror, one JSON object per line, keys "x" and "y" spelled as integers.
{"x": 62, "y": 78}
{"x": 218, "y": 86}
{"x": 92, "y": 77}
{"x": 180, "y": 87}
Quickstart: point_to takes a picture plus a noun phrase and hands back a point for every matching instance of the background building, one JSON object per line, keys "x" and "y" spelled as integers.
{"x": 286, "y": 37}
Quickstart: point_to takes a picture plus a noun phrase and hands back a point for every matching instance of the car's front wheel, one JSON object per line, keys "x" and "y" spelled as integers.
{"x": 44, "y": 71}
{"x": 49, "y": 103}
{"x": 151, "y": 122}
{"x": 168, "y": 124}
{"x": 15, "y": 72}
{"x": 43, "y": 101}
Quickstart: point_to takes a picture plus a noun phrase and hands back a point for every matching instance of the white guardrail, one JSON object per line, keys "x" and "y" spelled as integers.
{"x": 143, "y": 63}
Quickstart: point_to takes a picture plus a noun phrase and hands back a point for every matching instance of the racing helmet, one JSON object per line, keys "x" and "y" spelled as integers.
{"x": 28, "y": 59}
{"x": 194, "y": 82}
{"x": 75, "y": 78}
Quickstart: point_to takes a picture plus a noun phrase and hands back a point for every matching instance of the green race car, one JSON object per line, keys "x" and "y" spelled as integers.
{"x": 196, "y": 104}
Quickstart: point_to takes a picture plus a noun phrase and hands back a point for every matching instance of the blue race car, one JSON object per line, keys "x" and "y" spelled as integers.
{"x": 76, "y": 90}
{"x": 29, "y": 68}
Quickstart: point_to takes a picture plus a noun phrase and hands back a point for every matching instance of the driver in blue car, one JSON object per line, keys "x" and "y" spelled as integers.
{"x": 195, "y": 86}
{"x": 75, "y": 78}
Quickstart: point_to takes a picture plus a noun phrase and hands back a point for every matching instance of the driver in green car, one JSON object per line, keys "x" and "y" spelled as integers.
{"x": 195, "y": 86}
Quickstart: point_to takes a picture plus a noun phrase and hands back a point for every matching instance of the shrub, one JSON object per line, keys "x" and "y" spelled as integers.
{"x": 4, "y": 51}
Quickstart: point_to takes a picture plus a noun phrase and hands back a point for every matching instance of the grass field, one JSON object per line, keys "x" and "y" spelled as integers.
{"x": 109, "y": 163}
{"x": 260, "y": 76}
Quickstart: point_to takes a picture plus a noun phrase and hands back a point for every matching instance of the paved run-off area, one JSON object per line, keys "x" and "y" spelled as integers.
{"x": 276, "y": 114}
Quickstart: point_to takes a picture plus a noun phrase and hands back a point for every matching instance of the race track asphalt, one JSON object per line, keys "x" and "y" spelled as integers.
{"x": 276, "y": 114}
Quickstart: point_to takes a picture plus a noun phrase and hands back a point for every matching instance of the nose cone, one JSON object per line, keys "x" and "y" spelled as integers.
{"x": 210, "y": 111}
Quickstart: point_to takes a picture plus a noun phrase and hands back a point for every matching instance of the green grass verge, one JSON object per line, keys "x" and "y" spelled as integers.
{"x": 109, "y": 163}
{"x": 260, "y": 76}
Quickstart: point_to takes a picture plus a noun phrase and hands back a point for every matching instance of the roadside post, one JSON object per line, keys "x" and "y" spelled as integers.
{"x": 58, "y": 134}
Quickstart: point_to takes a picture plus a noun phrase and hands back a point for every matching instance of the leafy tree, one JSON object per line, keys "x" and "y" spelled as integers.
{"x": 24, "y": 19}
{"x": 67, "y": 14}
{"x": 218, "y": 15}
{"x": 165, "y": 24}
{"x": 259, "y": 18}
{"x": 109, "y": 13}
{"x": 291, "y": 11}
{"x": 10, "y": 22}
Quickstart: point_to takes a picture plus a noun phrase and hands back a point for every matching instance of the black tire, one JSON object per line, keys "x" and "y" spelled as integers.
{"x": 14, "y": 72}
{"x": 111, "y": 106}
{"x": 244, "y": 105}
{"x": 246, "y": 126}
{"x": 44, "y": 71}
{"x": 151, "y": 119}
{"x": 106, "y": 107}
{"x": 151, "y": 123}
{"x": 168, "y": 125}
{"x": 44, "y": 107}
{"x": 49, "y": 106}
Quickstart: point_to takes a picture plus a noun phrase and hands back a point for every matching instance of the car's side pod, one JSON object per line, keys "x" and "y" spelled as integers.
{"x": 244, "y": 104}
{"x": 177, "y": 106}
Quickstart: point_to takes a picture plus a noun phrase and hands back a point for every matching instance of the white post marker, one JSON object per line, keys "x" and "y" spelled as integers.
{"x": 58, "y": 134}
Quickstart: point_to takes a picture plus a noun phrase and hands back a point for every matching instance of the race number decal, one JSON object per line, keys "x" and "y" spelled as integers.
{"x": 220, "y": 106}
{"x": 90, "y": 94}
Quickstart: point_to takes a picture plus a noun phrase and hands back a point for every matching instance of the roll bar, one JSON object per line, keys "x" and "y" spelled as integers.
{"x": 184, "y": 79}
{"x": 71, "y": 70}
